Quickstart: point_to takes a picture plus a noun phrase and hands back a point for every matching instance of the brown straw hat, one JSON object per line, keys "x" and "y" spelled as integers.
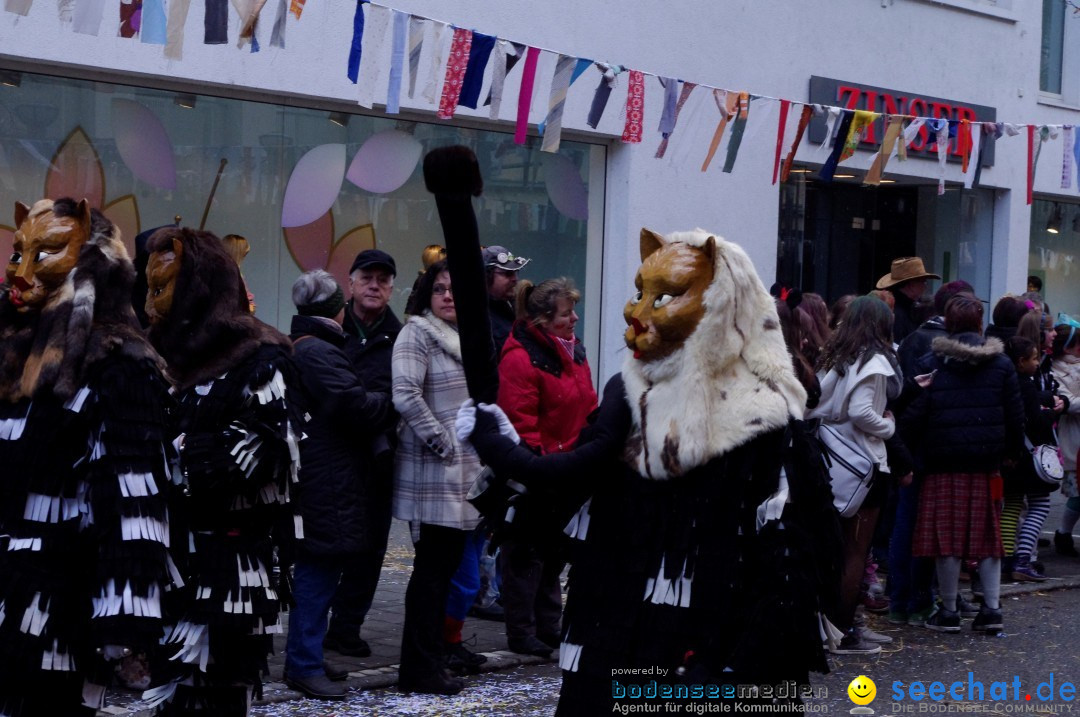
{"x": 904, "y": 269}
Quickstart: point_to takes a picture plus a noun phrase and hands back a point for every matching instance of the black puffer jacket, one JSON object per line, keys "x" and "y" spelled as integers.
{"x": 336, "y": 476}
{"x": 971, "y": 417}
{"x": 917, "y": 345}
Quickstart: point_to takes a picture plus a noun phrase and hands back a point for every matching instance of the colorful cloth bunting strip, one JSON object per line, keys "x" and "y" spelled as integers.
{"x": 1067, "y": 156}
{"x": 560, "y": 83}
{"x": 528, "y": 79}
{"x": 88, "y": 14}
{"x": 456, "y": 64}
{"x": 684, "y": 95}
{"x": 738, "y": 127}
{"x": 417, "y": 25}
{"x": 131, "y": 17}
{"x": 375, "y": 27}
{"x": 893, "y": 127}
{"x": 296, "y": 7}
{"x": 152, "y": 31}
{"x": 19, "y": 7}
{"x": 436, "y": 62}
{"x": 174, "y": 44}
{"x": 216, "y": 22}
{"x": 804, "y": 120}
{"x": 635, "y": 107}
{"x": 397, "y": 62}
{"x": 727, "y": 103}
{"x": 357, "y": 47}
{"x": 1076, "y": 162}
{"x": 277, "y": 32}
{"x": 976, "y": 134}
{"x": 603, "y": 92}
{"x": 860, "y": 123}
{"x": 671, "y": 98}
{"x": 479, "y": 54}
{"x": 1030, "y": 162}
{"x": 249, "y": 20}
{"x": 829, "y": 168}
{"x": 781, "y": 125}
{"x": 507, "y": 55}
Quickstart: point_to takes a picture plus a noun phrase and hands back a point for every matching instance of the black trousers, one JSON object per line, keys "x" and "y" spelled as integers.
{"x": 438, "y": 553}
{"x": 531, "y": 592}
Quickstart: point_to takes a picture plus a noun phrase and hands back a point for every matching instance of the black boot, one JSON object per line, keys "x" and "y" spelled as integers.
{"x": 1063, "y": 545}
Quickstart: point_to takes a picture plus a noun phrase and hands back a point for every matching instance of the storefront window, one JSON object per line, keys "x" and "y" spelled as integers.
{"x": 145, "y": 156}
{"x": 840, "y": 237}
{"x": 1055, "y": 257}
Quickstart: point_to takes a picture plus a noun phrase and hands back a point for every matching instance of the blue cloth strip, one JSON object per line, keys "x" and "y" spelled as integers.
{"x": 153, "y": 22}
{"x": 397, "y": 62}
{"x": 599, "y": 103}
{"x": 357, "y": 42}
{"x": 216, "y": 22}
{"x": 479, "y": 54}
{"x": 829, "y": 168}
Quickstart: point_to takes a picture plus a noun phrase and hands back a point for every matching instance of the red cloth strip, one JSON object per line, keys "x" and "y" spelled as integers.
{"x": 528, "y": 79}
{"x": 804, "y": 120}
{"x": 456, "y": 65}
{"x": 635, "y": 107}
{"x": 784, "y": 105}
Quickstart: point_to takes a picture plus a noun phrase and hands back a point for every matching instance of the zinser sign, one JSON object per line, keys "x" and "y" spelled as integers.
{"x": 853, "y": 96}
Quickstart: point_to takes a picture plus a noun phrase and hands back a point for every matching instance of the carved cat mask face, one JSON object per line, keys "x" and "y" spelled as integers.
{"x": 46, "y": 249}
{"x": 669, "y": 302}
{"x": 162, "y": 269}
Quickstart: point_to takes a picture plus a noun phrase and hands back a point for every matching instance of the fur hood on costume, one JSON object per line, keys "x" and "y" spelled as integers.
{"x": 88, "y": 318}
{"x": 969, "y": 348}
{"x": 209, "y": 329}
{"x": 731, "y": 380}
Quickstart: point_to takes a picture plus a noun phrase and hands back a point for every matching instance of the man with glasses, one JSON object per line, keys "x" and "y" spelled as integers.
{"x": 502, "y": 275}
{"x": 371, "y": 328}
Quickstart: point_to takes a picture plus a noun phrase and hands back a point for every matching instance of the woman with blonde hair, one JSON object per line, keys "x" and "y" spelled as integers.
{"x": 546, "y": 390}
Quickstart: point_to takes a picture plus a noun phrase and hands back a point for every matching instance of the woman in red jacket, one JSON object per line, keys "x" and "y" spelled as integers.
{"x": 546, "y": 389}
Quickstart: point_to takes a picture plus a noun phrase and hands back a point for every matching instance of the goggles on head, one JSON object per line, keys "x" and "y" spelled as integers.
{"x": 505, "y": 257}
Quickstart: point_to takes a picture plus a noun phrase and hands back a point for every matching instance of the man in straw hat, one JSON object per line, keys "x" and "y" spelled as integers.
{"x": 907, "y": 281}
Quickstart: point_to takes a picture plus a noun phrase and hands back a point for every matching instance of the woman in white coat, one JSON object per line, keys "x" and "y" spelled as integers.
{"x": 859, "y": 373}
{"x": 433, "y": 472}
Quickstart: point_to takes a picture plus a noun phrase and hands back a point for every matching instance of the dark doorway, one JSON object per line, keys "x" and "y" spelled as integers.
{"x": 839, "y": 238}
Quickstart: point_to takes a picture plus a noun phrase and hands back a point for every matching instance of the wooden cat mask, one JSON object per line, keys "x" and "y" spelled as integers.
{"x": 669, "y": 302}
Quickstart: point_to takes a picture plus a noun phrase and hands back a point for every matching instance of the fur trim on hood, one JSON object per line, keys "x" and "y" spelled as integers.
{"x": 731, "y": 381}
{"x": 88, "y": 318}
{"x": 209, "y": 329}
{"x": 443, "y": 333}
{"x": 967, "y": 348}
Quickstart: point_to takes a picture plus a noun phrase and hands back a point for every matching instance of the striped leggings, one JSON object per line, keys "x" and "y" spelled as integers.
{"x": 1022, "y": 541}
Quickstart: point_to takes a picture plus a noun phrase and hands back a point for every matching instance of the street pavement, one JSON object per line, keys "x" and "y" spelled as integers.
{"x": 1031, "y": 639}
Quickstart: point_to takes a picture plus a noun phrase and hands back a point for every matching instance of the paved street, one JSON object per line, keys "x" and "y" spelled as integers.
{"x": 1038, "y": 640}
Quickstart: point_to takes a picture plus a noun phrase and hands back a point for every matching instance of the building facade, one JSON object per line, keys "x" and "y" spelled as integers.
{"x": 309, "y": 176}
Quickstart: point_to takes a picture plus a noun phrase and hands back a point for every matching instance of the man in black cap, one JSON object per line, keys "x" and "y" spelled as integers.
{"x": 502, "y": 275}
{"x": 371, "y": 328}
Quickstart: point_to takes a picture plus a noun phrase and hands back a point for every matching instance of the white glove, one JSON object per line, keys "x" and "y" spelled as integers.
{"x": 505, "y": 427}
{"x": 465, "y": 422}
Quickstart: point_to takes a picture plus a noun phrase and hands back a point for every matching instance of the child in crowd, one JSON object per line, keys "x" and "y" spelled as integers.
{"x": 1018, "y": 537}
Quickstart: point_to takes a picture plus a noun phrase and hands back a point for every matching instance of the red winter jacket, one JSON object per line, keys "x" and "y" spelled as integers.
{"x": 546, "y": 394}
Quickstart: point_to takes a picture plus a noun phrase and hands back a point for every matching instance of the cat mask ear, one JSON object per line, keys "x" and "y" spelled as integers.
{"x": 650, "y": 242}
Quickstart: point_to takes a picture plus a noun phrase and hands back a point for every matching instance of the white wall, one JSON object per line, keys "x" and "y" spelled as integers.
{"x": 769, "y": 48}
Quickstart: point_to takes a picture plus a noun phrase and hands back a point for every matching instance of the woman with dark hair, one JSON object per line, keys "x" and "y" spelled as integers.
{"x": 793, "y": 325}
{"x": 859, "y": 375}
{"x": 968, "y": 421}
{"x": 1066, "y": 368}
{"x": 816, "y": 329}
{"x": 546, "y": 390}
{"x": 838, "y": 309}
{"x": 433, "y": 472}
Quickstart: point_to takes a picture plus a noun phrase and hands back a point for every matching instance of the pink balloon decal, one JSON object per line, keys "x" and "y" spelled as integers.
{"x": 385, "y": 161}
{"x": 565, "y": 188}
{"x": 314, "y": 185}
{"x": 143, "y": 143}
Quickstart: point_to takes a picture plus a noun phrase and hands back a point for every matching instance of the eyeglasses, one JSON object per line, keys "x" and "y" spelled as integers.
{"x": 440, "y": 289}
{"x": 503, "y": 257}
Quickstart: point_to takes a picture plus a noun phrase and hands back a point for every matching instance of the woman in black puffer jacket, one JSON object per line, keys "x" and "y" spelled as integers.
{"x": 968, "y": 421}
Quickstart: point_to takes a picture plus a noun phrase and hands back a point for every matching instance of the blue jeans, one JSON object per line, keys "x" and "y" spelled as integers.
{"x": 466, "y": 582}
{"x": 910, "y": 578}
{"x": 314, "y": 581}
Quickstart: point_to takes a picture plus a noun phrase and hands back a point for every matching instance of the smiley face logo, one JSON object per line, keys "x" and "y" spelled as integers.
{"x": 862, "y": 690}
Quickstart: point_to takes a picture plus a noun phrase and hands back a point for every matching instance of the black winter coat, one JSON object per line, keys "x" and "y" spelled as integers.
{"x": 1039, "y": 427}
{"x": 917, "y": 345}
{"x": 971, "y": 416}
{"x": 336, "y": 475}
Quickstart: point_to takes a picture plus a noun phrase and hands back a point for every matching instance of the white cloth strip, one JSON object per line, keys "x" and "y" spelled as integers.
{"x": 376, "y": 24}
{"x": 560, "y": 84}
{"x": 503, "y": 48}
{"x": 438, "y": 50}
{"x": 417, "y": 26}
{"x": 11, "y": 429}
{"x": 973, "y": 163}
{"x": 569, "y": 656}
{"x": 1067, "y": 156}
{"x": 75, "y": 403}
{"x": 88, "y": 15}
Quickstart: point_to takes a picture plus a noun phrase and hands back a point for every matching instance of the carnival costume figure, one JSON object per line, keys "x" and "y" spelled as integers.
{"x": 707, "y": 544}
{"x": 237, "y": 454}
{"x": 84, "y": 533}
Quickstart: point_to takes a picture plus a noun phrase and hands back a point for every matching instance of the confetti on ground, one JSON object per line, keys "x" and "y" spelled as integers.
{"x": 504, "y": 694}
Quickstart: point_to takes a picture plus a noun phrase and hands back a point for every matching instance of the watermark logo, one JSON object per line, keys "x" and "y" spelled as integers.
{"x": 862, "y": 692}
